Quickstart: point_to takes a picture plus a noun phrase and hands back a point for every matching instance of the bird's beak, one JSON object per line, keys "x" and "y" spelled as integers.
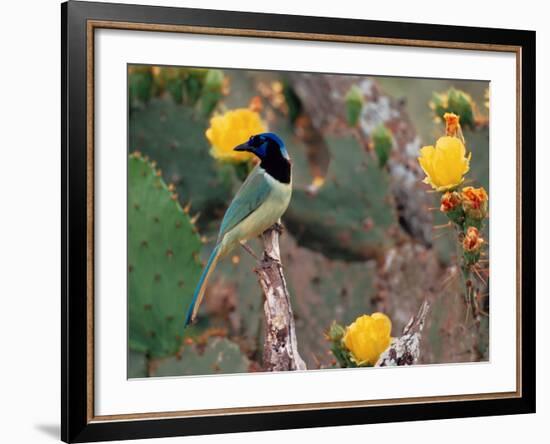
{"x": 244, "y": 147}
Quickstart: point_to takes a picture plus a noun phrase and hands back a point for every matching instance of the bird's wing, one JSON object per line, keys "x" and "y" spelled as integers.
{"x": 253, "y": 192}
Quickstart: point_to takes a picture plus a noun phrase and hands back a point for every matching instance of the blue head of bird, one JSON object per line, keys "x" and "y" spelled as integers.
{"x": 271, "y": 151}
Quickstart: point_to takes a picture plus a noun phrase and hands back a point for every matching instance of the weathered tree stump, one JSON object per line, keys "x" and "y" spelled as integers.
{"x": 280, "y": 344}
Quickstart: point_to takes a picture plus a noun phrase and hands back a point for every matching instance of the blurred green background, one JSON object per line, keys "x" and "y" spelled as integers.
{"x": 360, "y": 230}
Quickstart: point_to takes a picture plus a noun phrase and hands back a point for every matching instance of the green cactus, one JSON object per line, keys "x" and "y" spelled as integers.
{"x": 350, "y": 215}
{"x": 218, "y": 356}
{"x": 140, "y": 85}
{"x": 171, "y": 80}
{"x": 163, "y": 262}
{"x": 211, "y": 91}
{"x": 354, "y": 105}
{"x": 383, "y": 142}
{"x": 184, "y": 85}
{"x": 193, "y": 79}
{"x": 454, "y": 101}
{"x": 173, "y": 136}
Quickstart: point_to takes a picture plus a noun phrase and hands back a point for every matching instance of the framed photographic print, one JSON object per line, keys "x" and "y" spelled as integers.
{"x": 275, "y": 221}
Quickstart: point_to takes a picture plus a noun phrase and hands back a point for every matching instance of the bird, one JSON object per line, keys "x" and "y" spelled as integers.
{"x": 259, "y": 203}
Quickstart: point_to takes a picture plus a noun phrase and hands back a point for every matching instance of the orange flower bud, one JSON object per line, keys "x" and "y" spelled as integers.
{"x": 472, "y": 242}
{"x": 449, "y": 201}
{"x": 474, "y": 202}
{"x": 452, "y": 124}
{"x": 255, "y": 104}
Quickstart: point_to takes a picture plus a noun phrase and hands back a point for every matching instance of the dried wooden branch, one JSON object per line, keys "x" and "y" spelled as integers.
{"x": 280, "y": 344}
{"x": 405, "y": 350}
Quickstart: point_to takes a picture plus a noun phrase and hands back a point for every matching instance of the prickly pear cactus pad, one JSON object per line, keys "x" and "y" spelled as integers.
{"x": 173, "y": 135}
{"x": 351, "y": 215}
{"x": 218, "y": 355}
{"x": 163, "y": 263}
{"x": 140, "y": 86}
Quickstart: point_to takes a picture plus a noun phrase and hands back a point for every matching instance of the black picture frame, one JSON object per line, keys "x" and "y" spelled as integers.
{"x": 77, "y": 424}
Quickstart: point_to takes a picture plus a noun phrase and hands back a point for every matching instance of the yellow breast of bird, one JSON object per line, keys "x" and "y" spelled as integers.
{"x": 268, "y": 213}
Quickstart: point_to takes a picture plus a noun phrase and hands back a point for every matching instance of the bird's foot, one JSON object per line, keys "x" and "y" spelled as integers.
{"x": 265, "y": 263}
{"x": 279, "y": 227}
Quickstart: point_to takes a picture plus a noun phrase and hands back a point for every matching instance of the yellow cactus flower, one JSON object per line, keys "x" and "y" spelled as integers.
{"x": 231, "y": 129}
{"x": 445, "y": 164}
{"x": 368, "y": 337}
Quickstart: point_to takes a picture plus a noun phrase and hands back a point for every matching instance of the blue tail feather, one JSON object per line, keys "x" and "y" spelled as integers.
{"x": 201, "y": 286}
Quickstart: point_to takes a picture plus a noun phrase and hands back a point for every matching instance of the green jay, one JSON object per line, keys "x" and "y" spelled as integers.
{"x": 260, "y": 202}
